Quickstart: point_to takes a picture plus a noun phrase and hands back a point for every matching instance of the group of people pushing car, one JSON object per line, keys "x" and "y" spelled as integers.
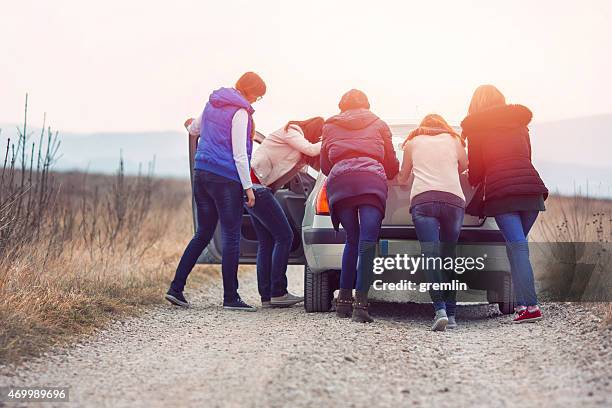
{"x": 354, "y": 149}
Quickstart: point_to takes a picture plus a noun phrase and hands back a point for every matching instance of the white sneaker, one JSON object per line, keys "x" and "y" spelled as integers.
{"x": 440, "y": 321}
{"x": 452, "y": 323}
{"x": 286, "y": 300}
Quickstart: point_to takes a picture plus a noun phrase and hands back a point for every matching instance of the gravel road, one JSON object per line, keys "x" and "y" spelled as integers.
{"x": 208, "y": 357}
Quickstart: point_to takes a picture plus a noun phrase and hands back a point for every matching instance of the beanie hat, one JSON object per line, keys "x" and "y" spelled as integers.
{"x": 353, "y": 99}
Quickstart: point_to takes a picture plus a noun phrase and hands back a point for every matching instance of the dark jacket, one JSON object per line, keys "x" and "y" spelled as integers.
{"x": 499, "y": 154}
{"x": 358, "y": 157}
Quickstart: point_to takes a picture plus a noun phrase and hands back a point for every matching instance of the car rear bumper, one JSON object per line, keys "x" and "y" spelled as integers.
{"x": 318, "y": 236}
{"x": 323, "y": 247}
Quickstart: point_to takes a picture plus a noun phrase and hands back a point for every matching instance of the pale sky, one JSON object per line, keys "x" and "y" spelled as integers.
{"x": 120, "y": 65}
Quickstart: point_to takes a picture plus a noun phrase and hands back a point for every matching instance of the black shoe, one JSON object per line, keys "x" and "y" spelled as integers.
{"x": 238, "y": 304}
{"x": 176, "y": 298}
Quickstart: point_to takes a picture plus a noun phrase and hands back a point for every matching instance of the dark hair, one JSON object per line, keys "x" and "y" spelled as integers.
{"x": 251, "y": 84}
{"x": 354, "y": 99}
{"x": 312, "y": 128}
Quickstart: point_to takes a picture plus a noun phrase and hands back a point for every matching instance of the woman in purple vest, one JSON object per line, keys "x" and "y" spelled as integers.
{"x": 221, "y": 179}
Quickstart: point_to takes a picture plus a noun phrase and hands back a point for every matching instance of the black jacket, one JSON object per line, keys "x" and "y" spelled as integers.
{"x": 499, "y": 152}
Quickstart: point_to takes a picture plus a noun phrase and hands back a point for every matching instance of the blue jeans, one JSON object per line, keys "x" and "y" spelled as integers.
{"x": 362, "y": 227}
{"x": 438, "y": 225}
{"x": 275, "y": 237}
{"x": 217, "y": 199}
{"x": 515, "y": 226}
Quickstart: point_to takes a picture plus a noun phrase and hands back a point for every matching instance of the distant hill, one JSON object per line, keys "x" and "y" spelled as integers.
{"x": 568, "y": 153}
{"x": 575, "y": 155}
{"x": 100, "y": 152}
{"x": 570, "y": 179}
{"x": 584, "y": 141}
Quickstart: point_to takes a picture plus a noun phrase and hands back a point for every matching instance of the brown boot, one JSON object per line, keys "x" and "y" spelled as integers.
{"x": 360, "y": 308}
{"x": 344, "y": 303}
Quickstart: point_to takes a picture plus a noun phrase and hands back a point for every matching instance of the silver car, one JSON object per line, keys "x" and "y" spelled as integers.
{"x": 318, "y": 247}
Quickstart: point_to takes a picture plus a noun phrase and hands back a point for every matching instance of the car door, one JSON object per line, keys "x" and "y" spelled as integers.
{"x": 292, "y": 198}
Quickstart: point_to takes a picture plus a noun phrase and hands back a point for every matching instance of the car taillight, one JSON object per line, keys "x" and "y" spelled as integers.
{"x": 322, "y": 205}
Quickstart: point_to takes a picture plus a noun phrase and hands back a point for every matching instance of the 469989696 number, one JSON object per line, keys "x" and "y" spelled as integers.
{"x": 56, "y": 394}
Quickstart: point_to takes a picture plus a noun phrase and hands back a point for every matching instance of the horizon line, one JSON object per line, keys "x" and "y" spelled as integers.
{"x": 390, "y": 120}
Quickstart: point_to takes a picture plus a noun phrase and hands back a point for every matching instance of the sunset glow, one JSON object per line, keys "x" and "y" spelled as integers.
{"x": 121, "y": 66}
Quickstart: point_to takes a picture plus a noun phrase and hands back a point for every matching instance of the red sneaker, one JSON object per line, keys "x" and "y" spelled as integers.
{"x": 527, "y": 316}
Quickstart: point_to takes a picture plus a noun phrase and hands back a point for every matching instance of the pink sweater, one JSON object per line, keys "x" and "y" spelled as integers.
{"x": 280, "y": 152}
{"x": 435, "y": 162}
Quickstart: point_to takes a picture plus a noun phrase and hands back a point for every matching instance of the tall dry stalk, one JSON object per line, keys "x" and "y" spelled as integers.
{"x": 27, "y": 188}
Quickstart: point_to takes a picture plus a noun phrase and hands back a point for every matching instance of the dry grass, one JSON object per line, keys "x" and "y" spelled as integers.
{"x": 51, "y": 291}
{"x": 574, "y": 219}
{"x": 569, "y": 222}
{"x": 77, "y": 250}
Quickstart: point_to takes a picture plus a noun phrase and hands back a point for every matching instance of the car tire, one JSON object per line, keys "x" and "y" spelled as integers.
{"x": 318, "y": 290}
{"x": 207, "y": 258}
{"x": 506, "y": 306}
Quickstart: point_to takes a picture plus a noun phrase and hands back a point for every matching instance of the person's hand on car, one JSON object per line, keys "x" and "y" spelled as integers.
{"x": 401, "y": 178}
{"x": 250, "y": 197}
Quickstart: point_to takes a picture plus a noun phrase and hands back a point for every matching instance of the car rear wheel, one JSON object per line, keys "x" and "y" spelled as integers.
{"x": 207, "y": 257}
{"x": 319, "y": 290}
{"x": 506, "y": 306}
